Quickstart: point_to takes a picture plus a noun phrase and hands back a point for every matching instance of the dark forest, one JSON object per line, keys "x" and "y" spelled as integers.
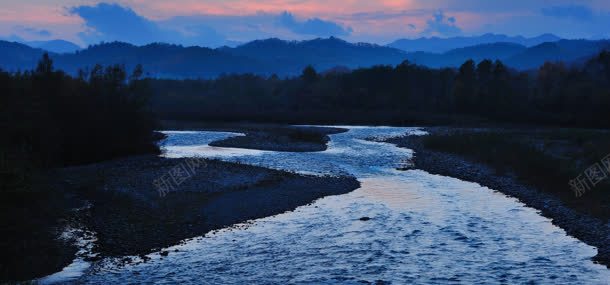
{"x": 554, "y": 94}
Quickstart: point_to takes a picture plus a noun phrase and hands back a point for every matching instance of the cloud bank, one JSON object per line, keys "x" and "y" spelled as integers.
{"x": 218, "y": 22}
{"x": 313, "y": 26}
{"x": 113, "y": 22}
{"x": 441, "y": 25}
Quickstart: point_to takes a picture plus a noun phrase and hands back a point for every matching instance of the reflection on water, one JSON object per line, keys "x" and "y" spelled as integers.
{"x": 191, "y": 144}
{"x": 423, "y": 229}
{"x": 208, "y": 151}
{"x": 394, "y": 194}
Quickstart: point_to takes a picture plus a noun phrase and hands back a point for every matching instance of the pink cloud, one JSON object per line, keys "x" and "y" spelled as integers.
{"x": 391, "y": 18}
{"x": 37, "y": 14}
{"x": 244, "y": 7}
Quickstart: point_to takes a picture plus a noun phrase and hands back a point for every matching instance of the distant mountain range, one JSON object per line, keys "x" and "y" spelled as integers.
{"x": 288, "y": 58}
{"x": 570, "y": 51}
{"x": 55, "y": 46}
{"x": 265, "y": 57}
{"x": 441, "y": 45}
{"x": 456, "y": 57}
{"x": 514, "y": 55}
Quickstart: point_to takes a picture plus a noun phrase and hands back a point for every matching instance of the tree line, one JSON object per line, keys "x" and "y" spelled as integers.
{"x": 554, "y": 94}
{"x": 50, "y": 119}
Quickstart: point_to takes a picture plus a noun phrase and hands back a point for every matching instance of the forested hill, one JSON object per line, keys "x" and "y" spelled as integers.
{"x": 159, "y": 60}
{"x": 441, "y": 45}
{"x": 515, "y": 55}
{"x": 288, "y": 58}
{"x": 265, "y": 57}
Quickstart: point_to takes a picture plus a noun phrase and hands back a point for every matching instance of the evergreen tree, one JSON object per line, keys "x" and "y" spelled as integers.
{"x": 465, "y": 87}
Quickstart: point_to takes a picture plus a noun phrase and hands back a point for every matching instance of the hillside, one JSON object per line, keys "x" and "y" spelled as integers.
{"x": 287, "y": 58}
{"x": 55, "y": 46}
{"x": 263, "y": 57}
{"x": 441, "y": 45}
{"x": 565, "y": 50}
{"x": 456, "y": 57}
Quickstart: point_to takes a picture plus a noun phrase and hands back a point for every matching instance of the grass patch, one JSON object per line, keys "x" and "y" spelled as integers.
{"x": 546, "y": 159}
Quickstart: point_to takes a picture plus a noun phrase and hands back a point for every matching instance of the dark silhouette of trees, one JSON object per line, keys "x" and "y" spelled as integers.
{"x": 485, "y": 76}
{"x": 51, "y": 119}
{"x": 402, "y": 94}
{"x": 45, "y": 65}
{"x": 465, "y": 87}
{"x": 309, "y": 75}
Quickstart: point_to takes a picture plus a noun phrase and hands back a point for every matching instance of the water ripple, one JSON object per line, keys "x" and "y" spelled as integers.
{"x": 422, "y": 228}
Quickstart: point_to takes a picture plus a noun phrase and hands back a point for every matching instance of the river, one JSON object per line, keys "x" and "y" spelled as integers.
{"x": 423, "y": 228}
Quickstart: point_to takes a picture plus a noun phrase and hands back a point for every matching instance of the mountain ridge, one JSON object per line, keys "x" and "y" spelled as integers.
{"x": 55, "y": 46}
{"x": 441, "y": 45}
{"x": 287, "y": 58}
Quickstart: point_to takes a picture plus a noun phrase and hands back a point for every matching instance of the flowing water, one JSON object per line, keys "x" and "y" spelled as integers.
{"x": 423, "y": 228}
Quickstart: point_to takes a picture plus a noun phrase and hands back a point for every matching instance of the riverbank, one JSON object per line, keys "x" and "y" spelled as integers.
{"x": 131, "y": 216}
{"x": 452, "y": 152}
{"x": 293, "y": 139}
{"x": 271, "y": 137}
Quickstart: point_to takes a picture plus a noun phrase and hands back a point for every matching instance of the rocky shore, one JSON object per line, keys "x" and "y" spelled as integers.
{"x": 131, "y": 215}
{"x": 590, "y": 230}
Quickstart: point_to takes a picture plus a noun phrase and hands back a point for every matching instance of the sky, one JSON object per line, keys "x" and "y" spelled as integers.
{"x": 229, "y": 22}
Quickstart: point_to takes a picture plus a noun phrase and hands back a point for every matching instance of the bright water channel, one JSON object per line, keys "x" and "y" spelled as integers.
{"x": 423, "y": 229}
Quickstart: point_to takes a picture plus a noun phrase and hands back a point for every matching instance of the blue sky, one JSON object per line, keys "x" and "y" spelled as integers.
{"x": 218, "y": 22}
